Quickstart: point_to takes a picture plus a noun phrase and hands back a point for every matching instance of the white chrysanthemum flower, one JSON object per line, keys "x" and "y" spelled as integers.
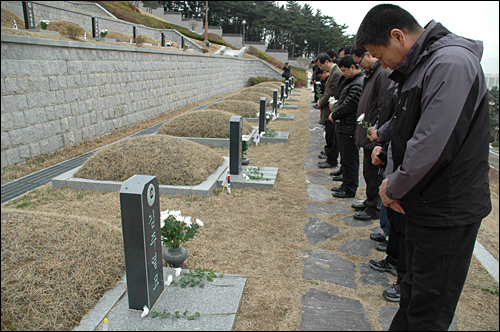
{"x": 187, "y": 221}
{"x": 168, "y": 281}
{"x": 361, "y": 118}
{"x": 199, "y": 222}
{"x": 145, "y": 311}
{"x": 175, "y": 213}
{"x": 178, "y": 271}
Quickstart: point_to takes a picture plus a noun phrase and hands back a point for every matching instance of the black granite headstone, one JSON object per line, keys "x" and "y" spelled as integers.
{"x": 262, "y": 114}
{"x": 275, "y": 100}
{"x": 95, "y": 27}
{"x": 235, "y": 144}
{"x": 182, "y": 42}
{"x": 134, "y": 32}
{"x": 140, "y": 209}
{"x": 29, "y": 17}
{"x": 292, "y": 79}
{"x": 287, "y": 85}
{"x": 163, "y": 39}
{"x": 282, "y": 92}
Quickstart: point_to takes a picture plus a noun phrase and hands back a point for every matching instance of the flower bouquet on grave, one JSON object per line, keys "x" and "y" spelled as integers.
{"x": 176, "y": 229}
{"x": 269, "y": 117}
{"x": 44, "y": 24}
{"x": 103, "y": 33}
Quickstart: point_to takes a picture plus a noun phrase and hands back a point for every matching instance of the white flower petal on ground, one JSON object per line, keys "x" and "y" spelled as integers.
{"x": 361, "y": 118}
{"x": 199, "y": 222}
{"x": 168, "y": 281}
{"x": 145, "y": 311}
{"x": 178, "y": 271}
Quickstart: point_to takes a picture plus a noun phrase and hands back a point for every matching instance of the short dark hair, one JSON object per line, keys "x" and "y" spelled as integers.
{"x": 319, "y": 71}
{"x": 375, "y": 29}
{"x": 347, "y": 61}
{"x": 347, "y": 50}
{"x": 323, "y": 57}
{"x": 359, "y": 51}
{"x": 332, "y": 53}
{"x": 316, "y": 67}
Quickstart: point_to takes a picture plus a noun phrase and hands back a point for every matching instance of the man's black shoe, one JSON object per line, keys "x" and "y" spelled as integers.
{"x": 322, "y": 156}
{"x": 382, "y": 246}
{"x": 384, "y": 266}
{"x": 323, "y": 152}
{"x": 362, "y": 216}
{"x": 316, "y": 107}
{"x": 359, "y": 206}
{"x": 337, "y": 189}
{"x": 338, "y": 178}
{"x": 377, "y": 237}
{"x": 343, "y": 194}
{"x": 325, "y": 165}
{"x": 393, "y": 293}
{"x": 336, "y": 173}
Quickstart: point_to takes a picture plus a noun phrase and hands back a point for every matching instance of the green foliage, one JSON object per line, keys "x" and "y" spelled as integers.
{"x": 494, "y": 144}
{"x": 260, "y": 79}
{"x": 196, "y": 277}
{"x": 244, "y": 148}
{"x": 74, "y": 31}
{"x": 177, "y": 314}
{"x": 486, "y": 288}
{"x": 175, "y": 232}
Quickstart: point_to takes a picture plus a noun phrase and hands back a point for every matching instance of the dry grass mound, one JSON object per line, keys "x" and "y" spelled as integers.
{"x": 8, "y": 17}
{"x": 265, "y": 90}
{"x": 46, "y": 264}
{"x": 174, "y": 161}
{"x": 247, "y": 95}
{"x": 119, "y": 36}
{"x": 272, "y": 84}
{"x": 62, "y": 28}
{"x": 247, "y": 109}
{"x": 206, "y": 123}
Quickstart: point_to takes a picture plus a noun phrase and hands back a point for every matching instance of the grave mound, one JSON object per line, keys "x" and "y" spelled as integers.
{"x": 8, "y": 18}
{"x": 272, "y": 84}
{"x": 249, "y": 96}
{"x": 247, "y": 109}
{"x": 265, "y": 91}
{"x": 174, "y": 161}
{"x": 209, "y": 123}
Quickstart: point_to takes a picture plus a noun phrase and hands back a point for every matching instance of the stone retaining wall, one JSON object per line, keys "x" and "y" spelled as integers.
{"x": 55, "y": 94}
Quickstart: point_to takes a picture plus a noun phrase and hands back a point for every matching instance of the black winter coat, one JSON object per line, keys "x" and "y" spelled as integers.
{"x": 347, "y": 104}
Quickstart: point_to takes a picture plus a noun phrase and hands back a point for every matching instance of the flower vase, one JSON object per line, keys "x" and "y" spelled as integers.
{"x": 175, "y": 256}
{"x": 245, "y": 161}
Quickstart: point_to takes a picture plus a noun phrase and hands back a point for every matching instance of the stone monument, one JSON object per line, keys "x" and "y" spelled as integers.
{"x": 140, "y": 209}
{"x": 235, "y": 145}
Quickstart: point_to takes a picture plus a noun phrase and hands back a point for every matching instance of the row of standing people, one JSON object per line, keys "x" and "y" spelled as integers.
{"x": 414, "y": 99}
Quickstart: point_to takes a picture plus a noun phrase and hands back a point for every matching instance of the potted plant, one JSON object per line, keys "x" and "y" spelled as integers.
{"x": 176, "y": 229}
{"x": 244, "y": 148}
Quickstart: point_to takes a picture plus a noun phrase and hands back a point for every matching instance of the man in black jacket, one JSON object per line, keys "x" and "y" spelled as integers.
{"x": 344, "y": 113}
{"x": 437, "y": 168}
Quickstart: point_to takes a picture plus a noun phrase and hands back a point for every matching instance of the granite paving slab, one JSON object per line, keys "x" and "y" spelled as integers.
{"x": 327, "y": 208}
{"x": 318, "y": 177}
{"x": 290, "y": 106}
{"x": 314, "y": 149}
{"x": 313, "y": 158}
{"x": 358, "y": 247}
{"x": 385, "y": 316}
{"x": 323, "y": 265}
{"x": 317, "y": 140}
{"x": 311, "y": 166}
{"x": 371, "y": 276}
{"x": 293, "y": 99}
{"x": 319, "y": 133}
{"x": 318, "y": 193}
{"x": 317, "y": 230}
{"x": 323, "y": 311}
{"x": 315, "y": 128}
{"x": 356, "y": 223}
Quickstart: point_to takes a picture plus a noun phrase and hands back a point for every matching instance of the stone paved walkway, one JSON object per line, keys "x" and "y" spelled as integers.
{"x": 321, "y": 310}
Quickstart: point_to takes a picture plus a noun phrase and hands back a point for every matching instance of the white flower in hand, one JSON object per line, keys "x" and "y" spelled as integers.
{"x": 168, "y": 281}
{"x": 178, "y": 271}
{"x": 361, "y": 118}
{"x": 145, "y": 311}
{"x": 331, "y": 100}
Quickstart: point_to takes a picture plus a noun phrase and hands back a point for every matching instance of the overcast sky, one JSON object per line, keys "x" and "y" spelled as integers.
{"x": 474, "y": 20}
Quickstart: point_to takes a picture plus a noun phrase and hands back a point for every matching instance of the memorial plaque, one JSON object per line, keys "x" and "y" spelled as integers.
{"x": 282, "y": 92}
{"x": 140, "y": 209}
{"x": 29, "y": 17}
{"x": 262, "y": 114}
{"x": 163, "y": 39}
{"x": 235, "y": 145}
{"x": 95, "y": 27}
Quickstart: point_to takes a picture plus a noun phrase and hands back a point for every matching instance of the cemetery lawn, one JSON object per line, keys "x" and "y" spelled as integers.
{"x": 61, "y": 249}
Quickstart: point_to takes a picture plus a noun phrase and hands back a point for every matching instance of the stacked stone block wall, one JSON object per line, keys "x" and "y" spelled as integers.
{"x": 55, "y": 94}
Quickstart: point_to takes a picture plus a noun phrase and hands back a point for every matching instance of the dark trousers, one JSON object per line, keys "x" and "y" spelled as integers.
{"x": 373, "y": 177}
{"x": 350, "y": 162}
{"x": 396, "y": 246}
{"x": 438, "y": 260}
{"x": 331, "y": 147}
